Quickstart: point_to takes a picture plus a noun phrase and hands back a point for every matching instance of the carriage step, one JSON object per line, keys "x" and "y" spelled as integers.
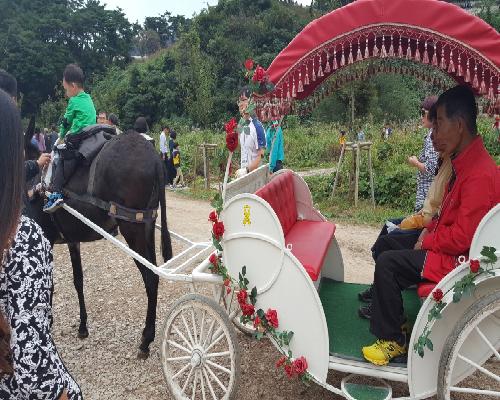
{"x": 360, "y": 391}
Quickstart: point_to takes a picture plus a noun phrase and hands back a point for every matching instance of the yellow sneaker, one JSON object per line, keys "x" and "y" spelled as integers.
{"x": 383, "y": 351}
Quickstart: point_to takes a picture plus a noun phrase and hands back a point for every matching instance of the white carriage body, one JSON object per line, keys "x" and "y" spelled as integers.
{"x": 282, "y": 282}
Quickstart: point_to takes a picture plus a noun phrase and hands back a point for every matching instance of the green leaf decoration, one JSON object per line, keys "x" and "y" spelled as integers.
{"x": 216, "y": 243}
{"x": 421, "y": 351}
{"x": 428, "y": 343}
{"x": 457, "y": 295}
{"x": 253, "y": 295}
{"x": 261, "y": 314}
{"x": 489, "y": 253}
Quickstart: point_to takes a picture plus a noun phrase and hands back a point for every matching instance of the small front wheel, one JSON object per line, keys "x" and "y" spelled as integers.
{"x": 199, "y": 352}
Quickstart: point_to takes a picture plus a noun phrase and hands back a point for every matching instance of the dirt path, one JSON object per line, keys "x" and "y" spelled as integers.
{"x": 315, "y": 172}
{"x": 105, "y": 364}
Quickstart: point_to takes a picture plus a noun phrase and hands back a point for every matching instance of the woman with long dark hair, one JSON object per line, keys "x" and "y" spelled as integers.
{"x": 30, "y": 367}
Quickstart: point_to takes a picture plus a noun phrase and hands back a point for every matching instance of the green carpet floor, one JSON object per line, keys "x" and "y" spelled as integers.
{"x": 347, "y": 331}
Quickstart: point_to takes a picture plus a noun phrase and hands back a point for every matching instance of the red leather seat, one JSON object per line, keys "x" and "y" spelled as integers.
{"x": 280, "y": 195}
{"x": 310, "y": 241}
{"x": 425, "y": 288}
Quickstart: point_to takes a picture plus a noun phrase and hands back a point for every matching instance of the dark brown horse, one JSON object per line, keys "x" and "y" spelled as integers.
{"x": 128, "y": 172}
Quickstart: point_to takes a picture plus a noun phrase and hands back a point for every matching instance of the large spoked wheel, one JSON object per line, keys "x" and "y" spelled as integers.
{"x": 199, "y": 351}
{"x": 230, "y": 303}
{"x": 470, "y": 362}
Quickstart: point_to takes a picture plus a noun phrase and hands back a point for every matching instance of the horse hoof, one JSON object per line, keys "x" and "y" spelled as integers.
{"x": 142, "y": 355}
{"x": 83, "y": 334}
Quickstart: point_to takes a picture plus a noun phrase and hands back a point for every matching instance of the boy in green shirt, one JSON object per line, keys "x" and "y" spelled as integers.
{"x": 79, "y": 114}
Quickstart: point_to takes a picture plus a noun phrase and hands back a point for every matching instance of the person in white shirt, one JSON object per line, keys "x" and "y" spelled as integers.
{"x": 163, "y": 142}
{"x": 252, "y": 139}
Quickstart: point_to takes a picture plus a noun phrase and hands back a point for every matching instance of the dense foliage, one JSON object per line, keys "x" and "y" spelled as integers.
{"x": 193, "y": 67}
{"x": 38, "y": 38}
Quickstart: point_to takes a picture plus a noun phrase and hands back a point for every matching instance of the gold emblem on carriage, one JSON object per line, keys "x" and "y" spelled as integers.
{"x": 246, "y": 215}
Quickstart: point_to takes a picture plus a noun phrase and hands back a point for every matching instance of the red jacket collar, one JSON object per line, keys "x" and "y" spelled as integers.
{"x": 469, "y": 156}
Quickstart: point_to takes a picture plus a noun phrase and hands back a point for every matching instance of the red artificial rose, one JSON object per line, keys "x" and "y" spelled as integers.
{"x": 227, "y": 282}
{"x": 230, "y": 126}
{"x": 300, "y": 365}
{"x": 280, "y": 361}
{"x": 212, "y": 217}
{"x": 218, "y": 229}
{"x": 474, "y": 266}
{"x": 437, "y": 295}
{"x": 259, "y": 74}
{"x": 247, "y": 309}
{"x": 232, "y": 141}
{"x": 248, "y": 64}
{"x": 272, "y": 318}
{"x": 214, "y": 260}
{"x": 290, "y": 370}
{"x": 242, "y": 296}
{"x": 256, "y": 322}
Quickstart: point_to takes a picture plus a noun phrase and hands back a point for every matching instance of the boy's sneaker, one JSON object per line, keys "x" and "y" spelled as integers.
{"x": 383, "y": 351}
{"x": 55, "y": 201}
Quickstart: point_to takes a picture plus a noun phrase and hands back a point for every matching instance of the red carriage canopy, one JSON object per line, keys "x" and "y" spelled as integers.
{"x": 431, "y": 32}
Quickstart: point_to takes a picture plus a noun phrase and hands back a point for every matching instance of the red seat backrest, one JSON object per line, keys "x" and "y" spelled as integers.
{"x": 280, "y": 195}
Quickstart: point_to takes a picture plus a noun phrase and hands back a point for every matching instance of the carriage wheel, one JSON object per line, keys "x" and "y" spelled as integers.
{"x": 230, "y": 304}
{"x": 477, "y": 329}
{"x": 199, "y": 351}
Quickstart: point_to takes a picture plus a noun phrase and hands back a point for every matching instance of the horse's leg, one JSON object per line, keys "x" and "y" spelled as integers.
{"x": 140, "y": 238}
{"x": 76, "y": 262}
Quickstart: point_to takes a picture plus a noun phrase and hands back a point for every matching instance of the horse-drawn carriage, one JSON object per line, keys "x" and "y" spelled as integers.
{"x": 275, "y": 239}
{"x": 292, "y": 257}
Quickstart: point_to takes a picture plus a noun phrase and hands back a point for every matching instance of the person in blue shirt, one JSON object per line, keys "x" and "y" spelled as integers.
{"x": 275, "y": 146}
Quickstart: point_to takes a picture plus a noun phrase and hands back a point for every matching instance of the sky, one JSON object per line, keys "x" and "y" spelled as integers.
{"x": 138, "y": 10}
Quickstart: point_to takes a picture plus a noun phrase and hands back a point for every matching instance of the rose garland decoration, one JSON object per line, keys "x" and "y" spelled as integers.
{"x": 463, "y": 287}
{"x": 265, "y": 323}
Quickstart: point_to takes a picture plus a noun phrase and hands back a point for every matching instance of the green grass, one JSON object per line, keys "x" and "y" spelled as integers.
{"x": 314, "y": 146}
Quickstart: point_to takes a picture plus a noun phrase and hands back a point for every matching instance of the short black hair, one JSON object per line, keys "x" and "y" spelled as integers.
{"x": 52, "y": 128}
{"x": 459, "y": 102}
{"x": 173, "y": 135}
{"x": 8, "y": 83}
{"x": 103, "y": 112}
{"x": 113, "y": 118}
{"x": 74, "y": 74}
{"x": 245, "y": 91}
{"x": 141, "y": 125}
{"x": 432, "y": 113}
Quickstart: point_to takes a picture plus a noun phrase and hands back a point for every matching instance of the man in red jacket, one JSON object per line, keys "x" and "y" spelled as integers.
{"x": 474, "y": 188}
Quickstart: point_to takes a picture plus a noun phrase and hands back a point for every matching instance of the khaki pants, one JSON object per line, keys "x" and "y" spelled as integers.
{"x": 178, "y": 176}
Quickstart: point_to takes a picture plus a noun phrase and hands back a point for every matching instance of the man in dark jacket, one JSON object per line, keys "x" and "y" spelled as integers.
{"x": 9, "y": 85}
{"x": 472, "y": 191}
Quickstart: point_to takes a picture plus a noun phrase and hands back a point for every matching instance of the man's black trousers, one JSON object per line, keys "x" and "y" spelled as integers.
{"x": 395, "y": 270}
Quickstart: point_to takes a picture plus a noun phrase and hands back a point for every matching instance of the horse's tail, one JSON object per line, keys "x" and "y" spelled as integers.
{"x": 166, "y": 243}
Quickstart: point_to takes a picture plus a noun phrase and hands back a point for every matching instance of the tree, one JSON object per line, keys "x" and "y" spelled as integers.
{"x": 147, "y": 42}
{"x": 38, "y": 38}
